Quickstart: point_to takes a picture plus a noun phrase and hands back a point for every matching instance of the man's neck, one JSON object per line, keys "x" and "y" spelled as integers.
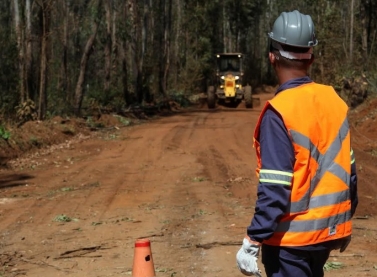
{"x": 287, "y": 75}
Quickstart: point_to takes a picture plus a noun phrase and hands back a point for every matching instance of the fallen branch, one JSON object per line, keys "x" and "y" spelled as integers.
{"x": 41, "y": 263}
{"x": 362, "y": 217}
{"x": 81, "y": 252}
{"x": 363, "y": 228}
{"x": 216, "y": 243}
{"x": 346, "y": 255}
{"x": 151, "y": 236}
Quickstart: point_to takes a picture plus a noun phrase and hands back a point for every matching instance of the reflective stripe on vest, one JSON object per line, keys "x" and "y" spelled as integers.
{"x": 275, "y": 177}
{"x": 352, "y": 157}
{"x": 313, "y": 225}
{"x": 327, "y": 164}
{"x": 307, "y": 202}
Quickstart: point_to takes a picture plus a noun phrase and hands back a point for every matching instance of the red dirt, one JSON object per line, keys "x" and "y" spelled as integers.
{"x": 185, "y": 181}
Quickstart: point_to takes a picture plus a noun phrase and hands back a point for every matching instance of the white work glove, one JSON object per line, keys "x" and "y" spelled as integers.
{"x": 247, "y": 258}
{"x": 345, "y": 243}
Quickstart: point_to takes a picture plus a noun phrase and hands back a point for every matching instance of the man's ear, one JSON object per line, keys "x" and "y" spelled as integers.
{"x": 272, "y": 58}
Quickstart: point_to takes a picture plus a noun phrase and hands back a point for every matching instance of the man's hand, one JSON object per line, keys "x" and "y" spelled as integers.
{"x": 345, "y": 243}
{"x": 247, "y": 258}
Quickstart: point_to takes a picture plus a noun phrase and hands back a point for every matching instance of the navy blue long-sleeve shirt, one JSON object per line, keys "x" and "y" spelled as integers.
{"x": 277, "y": 153}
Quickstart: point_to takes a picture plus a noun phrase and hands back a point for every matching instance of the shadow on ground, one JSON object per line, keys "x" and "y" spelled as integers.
{"x": 13, "y": 180}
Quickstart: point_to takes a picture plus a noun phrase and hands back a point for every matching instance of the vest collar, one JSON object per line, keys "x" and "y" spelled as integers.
{"x": 294, "y": 83}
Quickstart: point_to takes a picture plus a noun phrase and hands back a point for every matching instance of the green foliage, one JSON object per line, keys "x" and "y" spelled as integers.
{"x": 242, "y": 14}
{"x": 9, "y": 79}
{"x": 191, "y": 76}
{"x": 195, "y": 30}
{"x": 96, "y": 100}
{"x": 93, "y": 124}
{"x": 4, "y": 134}
{"x": 64, "y": 218}
{"x": 333, "y": 266}
{"x": 180, "y": 97}
{"x": 372, "y": 81}
{"x": 199, "y": 179}
{"x": 124, "y": 121}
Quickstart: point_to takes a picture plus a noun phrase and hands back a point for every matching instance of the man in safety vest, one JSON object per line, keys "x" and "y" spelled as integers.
{"x": 307, "y": 192}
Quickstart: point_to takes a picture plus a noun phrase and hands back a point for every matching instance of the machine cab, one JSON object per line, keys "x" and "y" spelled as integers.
{"x": 229, "y": 62}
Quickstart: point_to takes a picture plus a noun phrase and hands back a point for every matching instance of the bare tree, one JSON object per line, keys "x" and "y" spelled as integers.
{"x": 108, "y": 45}
{"x": 136, "y": 53}
{"x": 79, "y": 94}
{"x": 45, "y": 22}
{"x": 63, "y": 77}
{"x": 351, "y": 30}
{"x": 29, "y": 50}
{"x": 177, "y": 38}
{"x": 165, "y": 64}
{"x": 364, "y": 26}
{"x": 20, "y": 46}
{"x": 123, "y": 50}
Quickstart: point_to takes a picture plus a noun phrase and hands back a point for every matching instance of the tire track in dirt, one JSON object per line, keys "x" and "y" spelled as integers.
{"x": 209, "y": 217}
{"x": 169, "y": 185}
{"x": 181, "y": 198}
{"x": 84, "y": 200}
{"x": 139, "y": 158}
{"x": 108, "y": 194}
{"x": 186, "y": 181}
{"x": 78, "y": 179}
{"x": 150, "y": 210}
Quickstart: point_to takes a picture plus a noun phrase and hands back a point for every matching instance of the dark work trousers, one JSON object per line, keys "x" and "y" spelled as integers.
{"x": 290, "y": 262}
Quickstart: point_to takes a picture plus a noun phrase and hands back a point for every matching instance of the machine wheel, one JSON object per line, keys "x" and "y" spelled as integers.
{"x": 248, "y": 98}
{"x": 211, "y": 97}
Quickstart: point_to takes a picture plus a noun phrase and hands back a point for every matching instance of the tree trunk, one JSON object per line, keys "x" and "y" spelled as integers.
{"x": 168, "y": 9}
{"x": 63, "y": 84}
{"x": 224, "y": 25}
{"x": 29, "y": 57}
{"x": 20, "y": 46}
{"x": 45, "y": 14}
{"x": 126, "y": 92}
{"x": 79, "y": 94}
{"x": 364, "y": 26}
{"x": 351, "y": 31}
{"x": 123, "y": 50}
{"x": 114, "y": 47}
{"x": 108, "y": 46}
{"x": 165, "y": 47}
{"x": 178, "y": 33}
{"x": 136, "y": 48}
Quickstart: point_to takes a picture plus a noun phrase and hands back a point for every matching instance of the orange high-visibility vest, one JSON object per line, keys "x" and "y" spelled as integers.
{"x": 320, "y": 207}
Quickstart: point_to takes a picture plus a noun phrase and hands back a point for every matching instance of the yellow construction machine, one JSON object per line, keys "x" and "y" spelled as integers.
{"x": 228, "y": 84}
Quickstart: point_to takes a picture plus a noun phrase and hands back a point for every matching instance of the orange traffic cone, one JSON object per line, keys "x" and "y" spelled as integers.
{"x": 143, "y": 262}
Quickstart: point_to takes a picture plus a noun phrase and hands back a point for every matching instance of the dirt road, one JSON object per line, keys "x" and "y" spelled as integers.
{"x": 186, "y": 182}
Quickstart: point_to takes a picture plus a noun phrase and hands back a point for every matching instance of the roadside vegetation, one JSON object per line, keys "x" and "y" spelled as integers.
{"x": 77, "y": 60}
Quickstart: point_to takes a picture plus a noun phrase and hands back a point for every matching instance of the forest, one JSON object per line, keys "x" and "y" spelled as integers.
{"x": 68, "y": 57}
